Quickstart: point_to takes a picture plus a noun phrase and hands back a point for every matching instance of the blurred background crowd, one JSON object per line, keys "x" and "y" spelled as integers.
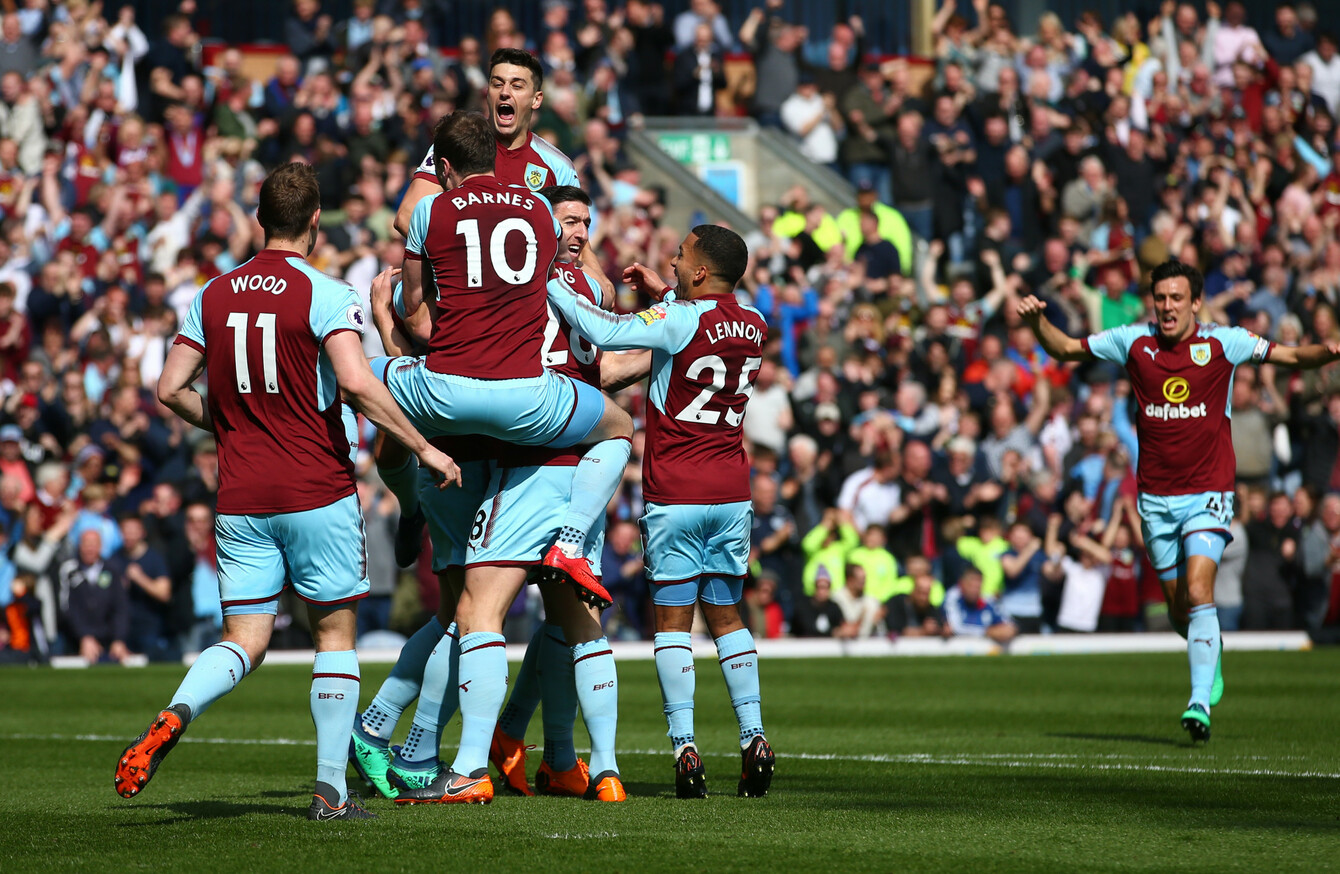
{"x": 921, "y": 467}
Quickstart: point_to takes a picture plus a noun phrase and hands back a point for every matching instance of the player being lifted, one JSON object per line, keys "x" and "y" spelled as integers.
{"x": 1181, "y": 375}
{"x": 706, "y": 352}
{"x": 515, "y": 92}
{"x": 517, "y": 522}
{"x": 489, "y": 247}
{"x": 279, "y": 340}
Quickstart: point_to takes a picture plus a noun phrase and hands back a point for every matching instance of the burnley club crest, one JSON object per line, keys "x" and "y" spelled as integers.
{"x": 1200, "y": 354}
{"x": 535, "y": 174}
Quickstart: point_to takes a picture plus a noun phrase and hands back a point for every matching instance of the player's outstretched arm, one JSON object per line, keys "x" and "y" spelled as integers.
{"x": 619, "y": 370}
{"x": 650, "y": 329}
{"x": 1058, "y": 344}
{"x": 370, "y": 397}
{"x": 176, "y": 389}
{"x": 1305, "y": 357}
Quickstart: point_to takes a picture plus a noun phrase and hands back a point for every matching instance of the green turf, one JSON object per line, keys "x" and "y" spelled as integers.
{"x": 954, "y": 764}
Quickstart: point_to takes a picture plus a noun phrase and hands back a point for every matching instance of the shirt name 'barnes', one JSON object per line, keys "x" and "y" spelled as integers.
{"x": 505, "y": 198}
{"x": 733, "y": 330}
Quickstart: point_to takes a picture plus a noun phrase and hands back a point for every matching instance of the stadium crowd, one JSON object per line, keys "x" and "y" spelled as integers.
{"x": 920, "y": 466}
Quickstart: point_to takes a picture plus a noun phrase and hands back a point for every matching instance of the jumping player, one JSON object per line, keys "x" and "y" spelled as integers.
{"x": 490, "y": 247}
{"x": 516, "y": 523}
{"x": 279, "y": 341}
{"x": 1181, "y": 374}
{"x": 706, "y": 352}
{"x": 515, "y": 92}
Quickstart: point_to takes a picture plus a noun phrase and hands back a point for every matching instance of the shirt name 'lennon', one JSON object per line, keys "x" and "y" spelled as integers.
{"x": 733, "y": 330}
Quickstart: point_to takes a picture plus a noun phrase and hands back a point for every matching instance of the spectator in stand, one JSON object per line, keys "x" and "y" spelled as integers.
{"x": 813, "y": 117}
{"x": 969, "y": 614}
{"x": 625, "y": 578}
{"x": 775, "y": 44}
{"x": 826, "y": 549}
{"x": 207, "y": 616}
{"x": 862, "y": 615}
{"x": 818, "y": 615}
{"x": 143, "y": 573}
{"x": 1272, "y": 565}
{"x": 916, "y": 610}
{"x": 97, "y": 607}
{"x": 698, "y": 75}
{"x": 702, "y": 13}
{"x": 1324, "y": 62}
{"x": 1286, "y": 42}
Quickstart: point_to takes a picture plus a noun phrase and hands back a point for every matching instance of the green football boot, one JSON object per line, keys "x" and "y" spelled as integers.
{"x": 1196, "y": 721}
{"x": 1217, "y": 690}
{"x": 371, "y": 758}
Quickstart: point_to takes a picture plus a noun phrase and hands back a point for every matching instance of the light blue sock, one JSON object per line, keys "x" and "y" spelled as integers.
{"x": 560, "y": 699}
{"x": 678, "y": 677}
{"x": 594, "y": 481}
{"x": 598, "y": 691}
{"x": 482, "y": 684}
{"x": 334, "y": 706}
{"x": 739, "y": 665}
{"x": 437, "y": 702}
{"x": 1202, "y": 647}
{"x": 525, "y": 696}
{"x": 214, "y": 674}
{"x": 403, "y": 481}
{"x": 402, "y": 686}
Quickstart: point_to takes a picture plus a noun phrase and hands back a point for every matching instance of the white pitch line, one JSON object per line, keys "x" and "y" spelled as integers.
{"x": 1055, "y": 761}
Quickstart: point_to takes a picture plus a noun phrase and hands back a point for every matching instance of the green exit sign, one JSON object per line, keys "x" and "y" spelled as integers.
{"x": 695, "y": 148}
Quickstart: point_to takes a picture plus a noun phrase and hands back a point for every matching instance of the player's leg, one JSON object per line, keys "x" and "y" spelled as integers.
{"x": 334, "y": 702}
{"x": 448, "y": 514}
{"x": 507, "y": 750}
{"x": 739, "y": 665}
{"x": 539, "y": 679}
{"x": 251, "y": 578}
{"x": 725, "y": 563}
{"x": 399, "y": 469}
{"x": 325, "y": 555}
{"x": 608, "y": 429}
{"x": 415, "y": 766}
{"x": 591, "y": 679}
{"x": 1204, "y": 644}
{"x": 481, "y": 682}
{"x": 676, "y": 673}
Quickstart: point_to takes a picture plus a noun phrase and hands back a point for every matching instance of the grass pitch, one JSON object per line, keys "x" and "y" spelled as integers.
{"x": 1062, "y": 763}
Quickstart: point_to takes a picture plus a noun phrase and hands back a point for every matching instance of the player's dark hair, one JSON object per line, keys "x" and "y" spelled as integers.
{"x": 290, "y": 196}
{"x": 723, "y": 251}
{"x": 1171, "y": 269}
{"x": 467, "y": 141}
{"x": 519, "y": 58}
{"x": 557, "y": 194}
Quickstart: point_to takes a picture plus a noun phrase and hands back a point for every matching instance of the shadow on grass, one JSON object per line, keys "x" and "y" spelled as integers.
{"x": 196, "y": 810}
{"x": 1121, "y": 738}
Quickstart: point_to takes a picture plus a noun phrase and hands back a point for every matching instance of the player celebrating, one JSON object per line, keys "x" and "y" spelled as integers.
{"x": 517, "y": 522}
{"x": 1181, "y": 375}
{"x": 516, "y": 82}
{"x": 706, "y": 352}
{"x": 279, "y": 341}
{"x": 483, "y": 374}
